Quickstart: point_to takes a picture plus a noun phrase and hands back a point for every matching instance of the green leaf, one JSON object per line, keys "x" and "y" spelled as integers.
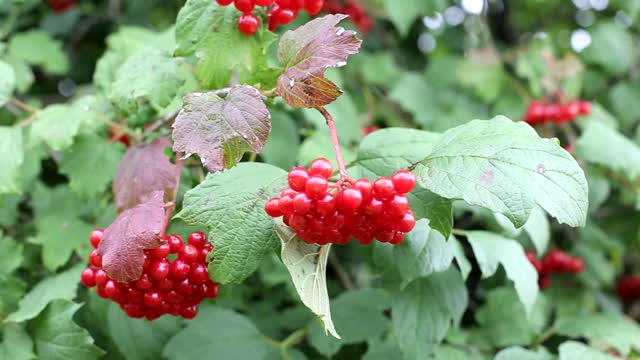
{"x": 516, "y": 352}
{"x": 283, "y": 144}
{"x": 56, "y": 126}
{"x": 423, "y": 312}
{"x": 60, "y": 237}
{"x": 482, "y": 71}
{"x": 623, "y": 101}
{"x": 504, "y": 320}
{"x": 403, "y": 17}
{"x": 378, "y": 350}
{"x": 16, "y": 344}
{"x": 220, "y": 128}
{"x": 492, "y": 250}
{"x": 56, "y": 336}
{"x": 139, "y": 339}
{"x": 24, "y": 77}
{"x": 60, "y": 286}
{"x": 37, "y": 47}
{"x": 7, "y": 82}
{"x": 307, "y": 262}
{"x": 387, "y": 150}
{"x": 461, "y": 258}
{"x": 90, "y": 164}
{"x": 610, "y": 44}
{"x": 230, "y": 204}
{"x": 538, "y": 229}
{"x": 358, "y": 315}
{"x": 12, "y": 290}
{"x": 10, "y": 256}
{"x": 210, "y": 32}
{"x": 377, "y": 68}
{"x": 573, "y": 350}
{"x": 424, "y": 251}
{"x": 307, "y": 52}
{"x": 507, "y": 168}
{"x": 604, "y": 146}
{"x": 11, "y": 161}
{"x": 217, "y": 332}
{"x": 56, "y": 201}
{"x": 620, "y": 332}
{"x": 135, "y": 85}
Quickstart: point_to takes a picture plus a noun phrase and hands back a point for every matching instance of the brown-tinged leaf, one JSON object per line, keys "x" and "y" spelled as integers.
{"x": 123, "y": 243}
{"x": 144, "y": 170}
{"x": 220, "y": 128}
{"x": 307, "y": 53}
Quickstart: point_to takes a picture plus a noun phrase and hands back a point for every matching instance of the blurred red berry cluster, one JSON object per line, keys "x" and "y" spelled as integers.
{"x": 60, "y": 6}
{"x": 540, "y": 112}
{"x": 629, "y": 288}
{"x": 357, "y": 13}
{"x": 556, "y": 261}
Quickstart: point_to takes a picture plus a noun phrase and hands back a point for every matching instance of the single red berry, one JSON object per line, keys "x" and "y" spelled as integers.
{"x": 326, "y": 205}
{"x": 224, "y": 2}
{"x": 165, "y": 285}
{"x": 173, "y": 297}
{"x": 334, "y": 221}
{"x": 407, "y": 222}
{"x": 284, "y": 16}
{"x": 212, "y": 291}
{"x": 159, "y": 269}
{"x": 403, "y": 181}
{"x": 185, "y": 287}
{"x": 133, "y": 310}
{"x": 365, "y": 186}
{"x": 100, "y": 291}
{"x": 95, "y": 237}
{"x": 101, "y": 277}
{"x": 398, "y": 206}
{"x": 298, "y": 178}
{"x": 88, "y": 277}
{"x": 179, "y": 269}
{"x": 298, "y": 222}
{"x": 351, "y": 198}
{"x": 585, "y": 107}
{"x": 248, "y": 23}
{"x": 398, "y": 238}
{"x": 272, "y": 208}
{"x": 313, "y": 7}
{"x": 152, "y": 298}
{"x": 302, "y": 205}
{"x": 188, "y": 253}
{"x": 244, "y": 6}
{"x": 175, "y": 243}
{"x": 133, "y": 296}
{"x": 316, "y": 187}
{"x": 197, "y": 239}
{"x": 576, "y": 265}
{"x": 285, "y": 204}
{"x": 321, "y": 167}
{"x": 202, "y": 255}
{"x": 373, "y": 207}
{"x": 144, "y": 283}
{"x": 385, "y": 236}
{"x": 189, "y": 312}
{"x": 383, "y": 188}
{"x": 95, "y": 259}
{"x": 199, "y": 274}
{"x": 161, "y": 252}
{"x": 112, "y": 289}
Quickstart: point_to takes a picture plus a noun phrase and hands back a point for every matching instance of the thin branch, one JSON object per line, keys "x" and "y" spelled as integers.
{"x": 341, "y": 272}
{"x": 172, "y": 204}
{"x": 23, "y": 106}
{"x": 26, "y": 121}
{"x": 336, "y": 142}
{"x": 160, "y": 123}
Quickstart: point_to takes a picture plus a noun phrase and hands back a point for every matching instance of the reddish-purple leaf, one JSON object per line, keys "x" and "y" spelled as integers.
{"x": 220, "y": 128}
{"x": 307, "y": 52}
{"x": 123, "y": 243}
{"x": 144, "y": 170}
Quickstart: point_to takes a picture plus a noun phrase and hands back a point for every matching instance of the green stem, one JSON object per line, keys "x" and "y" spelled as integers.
{"x": 459, "y": 232}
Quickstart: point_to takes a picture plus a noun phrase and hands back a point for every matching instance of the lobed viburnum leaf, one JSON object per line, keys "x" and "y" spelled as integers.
{"x": 12, "y": 159}
{"x": 307, "y": 52}
{"x": 307, "y": 264}
{"x": 220, "y": 128}
{"x": 144, "y": 170}
{"x": 123, "y": 243}
{"x": 7, "y": 82}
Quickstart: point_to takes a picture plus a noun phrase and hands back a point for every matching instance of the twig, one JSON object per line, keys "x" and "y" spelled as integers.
{"x": 341, "y": 272}
{"x": 336, "y": 142}
{"x": 172, "y": 204}
{"x": 121, "y": 128}
{"x": 24, "y": 122}
{"x": 160, "y": 123}
{"x": 23, "y": 106}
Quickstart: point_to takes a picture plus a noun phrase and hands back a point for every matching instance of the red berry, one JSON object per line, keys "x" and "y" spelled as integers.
{"x": 173, "y": 297}
{"x": 298, "y": 179}
{"x": 321, "y": 167}
{"x": 316, "y": 187}
{"x": 407, "y": 222}
{"x": 383, "y": 188}
{"x": 144, "y": 283}
{"x": 199, "y": 274}
{"x": 284, "y": 16}
{"x": 313, "y": 7}
{"x": 334, "y": 221}
{"x": 351, "y": 198}
{"x": 398, "y": 238}
{"x": 585, "y": 108}
{"x": 576, "y": 265}
{"x": 248, "y": 23}
{"x": 165, "y": 285}
{"x": 159, "y": 269}
{"x": 95, "y": 259}
{"x": 398, "y": 206}
{"x": 161, "y": 252}
{"x": 285, "y": 204}
{"x": 302, "y": 204}
{"x": 272, "y": 208}
{"x": 133, "y": 296}
{"x": 133, "y": 310}
{"x": 263, "y": 2}
{"x": 111, "y": 289}
{"x": 175, "y": 243}
{"x": 403, "y": 181}
{"x": 385, "y": 236}
{"x": 179, "y": 269}
{"x": 101, "y": 277}
{"x": 197, "y": 239}
{"x": 373, "y": 207}
{"x": 95, "y": 237}
{"x": 185, "y": 287}
{"x": 189, "y": 312}
{"x": 244, "y": 6}
{"x": 152, "y": 298}
{"x": 212, "y": 291}
{"x": 365, "y": 186}
{"x": 326, "y": 205}
{"x": 88, "y": 277}
{"x": 188, "y": 253}
{"x": 224, "y": 2}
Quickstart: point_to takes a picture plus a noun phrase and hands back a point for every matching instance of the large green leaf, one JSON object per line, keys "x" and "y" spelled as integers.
{"x": 56, "y": 126}
{"x": 139, "y": 339}
{"x": 210, "y": 32}
{"x": 423, "y": 312}
{"x": 231, "y": 205}
{"x": 492, "y": 250}
{"x": 16, "y": 344}
{"x": 621, "y": 333}
{"x": 516, "y": 352}
{"x": 10, "y": 255}
{"x": 573, "y": 350}
{"x": 7, "y": 82}
{"x": 57, "y": 337}
{"x": 60, "y": 286}
{"x": 60, "y": 237}
{"x": 610, "y": 47}
{"x": 219, "y": 333}
{"x": 605, "y": 146}
{"x": 12, "y": 150}
{"x": 37, "y": 47}
{"x": 507, "y": 168}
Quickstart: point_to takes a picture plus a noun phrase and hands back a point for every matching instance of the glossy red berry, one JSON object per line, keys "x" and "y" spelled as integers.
{"x": 165, "y": 285}
{"x": 95, "y": 259}
{"x": 159, "y": 269}
{"x": 199, "y": 274}
{"x": 284, "y": 16}
{"x": 313, "y": 7}
{"x": 383, "y": 188}
{"x": 272, "y": 208}
{"x": 179, "y": 269}
{"x": 351, "y": 198}
{"x": 248, "y": 23}
{"x": 224, "y": 2}
{"x": 197, "y": 239}
{"x": 244, "y": 6}
{"x": 407, "y": 223}
{"x": 152, "y": 298}
{"x": 101, "y": 277}
{"x": 161, "y": 252}
{"x": 397, "y": 206}
{"x": 88, "y": 277}
{"x": 585, "y": 107}
{"x": 263, "y": 2}
{"x": 315, "y": 187}
{"x": 144, "y": 283}
{"x": 403, "y": 181}
{"x": 302, "y": 205}
{"x": 175, "y": 243}
{"x": 95, "y": 237}
{"x": 189, "y": 312}
{"x": 321, "y": 167}
{"x": 188, "y": 253}
{"x": 298, "y": 179}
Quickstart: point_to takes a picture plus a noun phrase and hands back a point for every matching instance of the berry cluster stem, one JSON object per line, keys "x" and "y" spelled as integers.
{"x": 172, "y": 204}
{"x": 336, "y": 142}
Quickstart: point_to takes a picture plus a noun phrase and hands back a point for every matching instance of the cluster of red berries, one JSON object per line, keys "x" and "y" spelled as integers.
{"x": 540, "y": 112}
{"x": 321, "y": 213}
{"x": 629, "y": 288}
{"x": 60, "y": 6}
{"x": 280, "y": 12}
{"x": 165, "y": 287}
{"x": 355, "y": 10}
{"x": 556, "y": 261}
